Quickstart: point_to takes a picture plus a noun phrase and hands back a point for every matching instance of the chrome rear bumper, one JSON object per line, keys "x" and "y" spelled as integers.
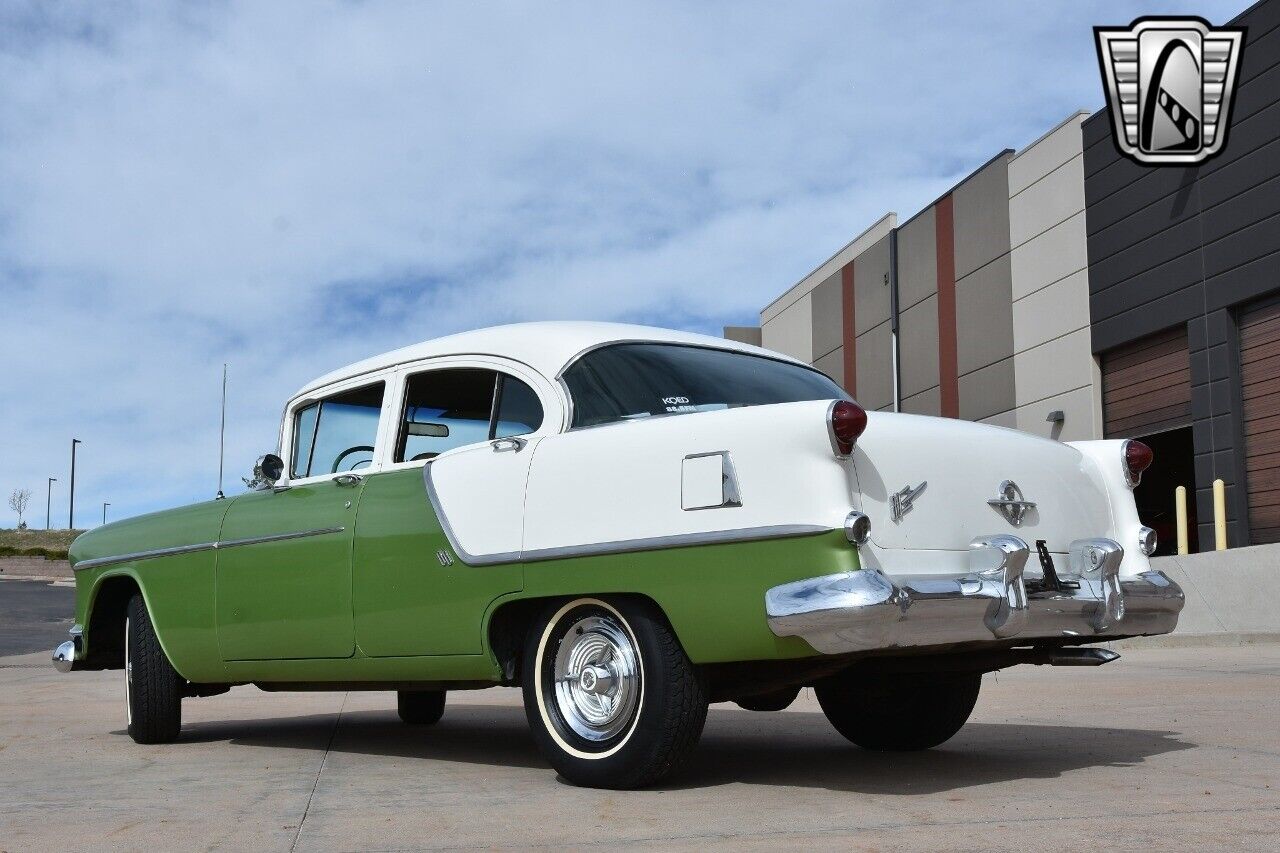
{"x": 868, "y": 610}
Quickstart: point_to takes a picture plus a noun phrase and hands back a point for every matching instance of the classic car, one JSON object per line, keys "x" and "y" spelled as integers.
{"x": 629, "y": 523}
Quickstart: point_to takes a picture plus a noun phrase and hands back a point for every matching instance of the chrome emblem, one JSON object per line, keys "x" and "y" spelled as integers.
{"x": 1011, "y": 504}
{"x": 443, "y": 556}
{"x": 1169, "y": 84}
{"x": 901, "y": 501}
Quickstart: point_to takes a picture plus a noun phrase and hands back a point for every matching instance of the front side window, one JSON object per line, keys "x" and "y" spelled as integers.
{"x": 337, "y": 433}
{"x": 449, "y": 408}
{"x": 629, "y": 381}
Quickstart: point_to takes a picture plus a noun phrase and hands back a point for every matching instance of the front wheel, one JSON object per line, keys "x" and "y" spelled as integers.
{"x": 898, "y": 712}
{"x": 611, "y": 698}
{"x": 152, "y": 687}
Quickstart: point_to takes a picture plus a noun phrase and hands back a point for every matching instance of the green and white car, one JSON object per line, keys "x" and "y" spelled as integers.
{"x": 629, "y": 523}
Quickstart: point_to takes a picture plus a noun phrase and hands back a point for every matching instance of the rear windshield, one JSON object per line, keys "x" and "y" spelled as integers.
{"x": 629, "y": 381}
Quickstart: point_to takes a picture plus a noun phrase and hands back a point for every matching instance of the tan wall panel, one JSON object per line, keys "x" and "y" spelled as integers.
{"x": 917, "y": 260}
{"x": 875, "y": 368}
{"x": 1051, "y": 312}
{"x": 1080, "y": 408}
{"x": 982, "y": 218}
{"x": 919, "y": 347}
{"x": 743, "y": 334}
{"x": 871, "y": 294}
{"x": 1052, "y": 368}
{"x": 1053, "y": 199}
{"x": 832, "y": 364}
{"x": 791, "y": 331}
{"x": 828, "y": 319}
{"x": 1052, "y": 256}
{"x": 927, "y": 402}
{"x": 984, "y": 315}
{"x": 987, "y": 392}
{"x": 1047, "y": 153}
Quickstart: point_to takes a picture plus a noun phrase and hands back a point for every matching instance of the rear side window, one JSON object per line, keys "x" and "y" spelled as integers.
{"x": 453, "y": 407}
{"x": 629, "y": 381}
{"x": 337, "y": 433}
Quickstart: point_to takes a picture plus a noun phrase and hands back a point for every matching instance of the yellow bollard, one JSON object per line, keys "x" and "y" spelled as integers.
{"x": 1180, "y": 502}
{"x": 1220, "y": 515}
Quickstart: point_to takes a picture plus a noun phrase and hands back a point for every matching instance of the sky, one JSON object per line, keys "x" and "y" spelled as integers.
{"x": 290, "y": 187}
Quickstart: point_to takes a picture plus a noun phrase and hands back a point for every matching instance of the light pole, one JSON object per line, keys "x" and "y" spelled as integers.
{"x": 104, "y": 511}
{"x": 48, "y": 501}
{"x": 71, "y": 511}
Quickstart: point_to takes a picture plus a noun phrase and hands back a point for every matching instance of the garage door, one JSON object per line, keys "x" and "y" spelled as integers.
{"x": 1146, "y": 385}
{"x": 1260, "y": 375}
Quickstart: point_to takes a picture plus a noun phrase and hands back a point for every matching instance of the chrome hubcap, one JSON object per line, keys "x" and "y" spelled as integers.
{"x": 597, "y": 678}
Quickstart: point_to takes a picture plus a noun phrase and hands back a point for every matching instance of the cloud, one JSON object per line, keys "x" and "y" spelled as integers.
{"x": 290, "y": 187}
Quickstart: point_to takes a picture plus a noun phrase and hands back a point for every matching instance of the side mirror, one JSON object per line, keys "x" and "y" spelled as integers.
{"x": 267, "y": 471}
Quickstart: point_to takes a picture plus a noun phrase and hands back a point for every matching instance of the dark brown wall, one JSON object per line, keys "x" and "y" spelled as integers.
{"x": 1186, "y": 247}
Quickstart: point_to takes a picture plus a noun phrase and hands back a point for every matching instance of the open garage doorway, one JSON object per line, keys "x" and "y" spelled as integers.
{"x": 1174, "y": 466}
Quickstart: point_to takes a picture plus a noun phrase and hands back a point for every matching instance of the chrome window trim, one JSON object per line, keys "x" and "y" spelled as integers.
{"x": 622, "y": 546}
{"x": 98, "y": 562}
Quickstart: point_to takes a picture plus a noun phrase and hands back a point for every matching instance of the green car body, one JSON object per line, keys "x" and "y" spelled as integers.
{"x": 367, "y": 601}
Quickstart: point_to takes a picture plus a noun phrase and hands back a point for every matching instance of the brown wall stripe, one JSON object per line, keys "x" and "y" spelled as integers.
{"x": 948, "y": 360}
{"x": 849, "y": 336}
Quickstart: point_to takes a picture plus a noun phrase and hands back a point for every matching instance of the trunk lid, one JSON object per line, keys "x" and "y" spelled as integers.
{"x": 963, "y": 465}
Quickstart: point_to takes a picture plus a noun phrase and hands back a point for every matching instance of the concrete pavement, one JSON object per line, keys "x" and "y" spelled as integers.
{"x": 1170, "y": 749}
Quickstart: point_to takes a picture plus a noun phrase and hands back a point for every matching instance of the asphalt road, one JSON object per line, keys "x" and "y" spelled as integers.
{"x": 1165, "y": 749}
{"x": 34, "y": 615}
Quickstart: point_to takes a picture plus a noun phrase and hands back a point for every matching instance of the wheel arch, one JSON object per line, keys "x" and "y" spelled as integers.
{"x": 105, "y": 618}
{"x": 508, "y": 622}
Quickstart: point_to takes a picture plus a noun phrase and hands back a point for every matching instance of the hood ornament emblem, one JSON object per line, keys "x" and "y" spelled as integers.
{"x": 901, "y": 502}
{"x": 1011, "y": 504}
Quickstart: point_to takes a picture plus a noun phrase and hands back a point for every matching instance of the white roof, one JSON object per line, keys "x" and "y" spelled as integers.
{"x": 546, "y": 347}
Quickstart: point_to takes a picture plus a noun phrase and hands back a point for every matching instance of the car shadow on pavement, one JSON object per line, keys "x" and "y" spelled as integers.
{"x": 801, "y": 749}
{"x": 476, "y": 734}
{"x": 792, "y": 748}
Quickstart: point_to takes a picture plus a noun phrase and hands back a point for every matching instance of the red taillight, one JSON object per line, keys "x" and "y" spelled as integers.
{"x": 848, "y": 420}
{"x": 1137, "y": 458}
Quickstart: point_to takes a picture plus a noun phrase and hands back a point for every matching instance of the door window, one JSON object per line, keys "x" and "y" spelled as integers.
{"x": 449, "y": 408}
{"x": 337, "y": 433}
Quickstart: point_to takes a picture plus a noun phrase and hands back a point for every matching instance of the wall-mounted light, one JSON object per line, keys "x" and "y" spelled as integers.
{"x": 1056, "y": 416}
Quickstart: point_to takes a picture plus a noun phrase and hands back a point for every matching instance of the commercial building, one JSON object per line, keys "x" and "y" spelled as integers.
{"x": 1067, "y": 291}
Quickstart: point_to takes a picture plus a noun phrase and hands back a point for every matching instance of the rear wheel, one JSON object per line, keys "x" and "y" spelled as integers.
{"x": 612, "y": 700}
{"x": 420, "y": 707}
{"x": 152, "y": 687}
{"x": 898, "y": 712}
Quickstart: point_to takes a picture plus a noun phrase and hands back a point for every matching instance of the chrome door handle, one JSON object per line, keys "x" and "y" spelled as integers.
{"x": 502, "y": 445}
{"x": 347, "y": 479}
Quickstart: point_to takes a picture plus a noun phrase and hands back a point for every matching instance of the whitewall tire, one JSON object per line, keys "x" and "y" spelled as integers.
{"x": 611, "y": 698}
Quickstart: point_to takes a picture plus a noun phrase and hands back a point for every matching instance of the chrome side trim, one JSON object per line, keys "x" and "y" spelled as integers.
{"x": 144, "y": 555}
{"x": 277, "y": 537}
{"x": 679, "y": 540}
{"x": 98, "y": 562}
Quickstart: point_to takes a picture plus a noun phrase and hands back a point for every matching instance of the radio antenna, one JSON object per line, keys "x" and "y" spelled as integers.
{"x": 222, "y": 433}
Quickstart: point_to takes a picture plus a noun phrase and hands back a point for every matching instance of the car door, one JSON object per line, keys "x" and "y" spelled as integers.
{"x": 284, "y": 557}
{"x": 440, "y": 528}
